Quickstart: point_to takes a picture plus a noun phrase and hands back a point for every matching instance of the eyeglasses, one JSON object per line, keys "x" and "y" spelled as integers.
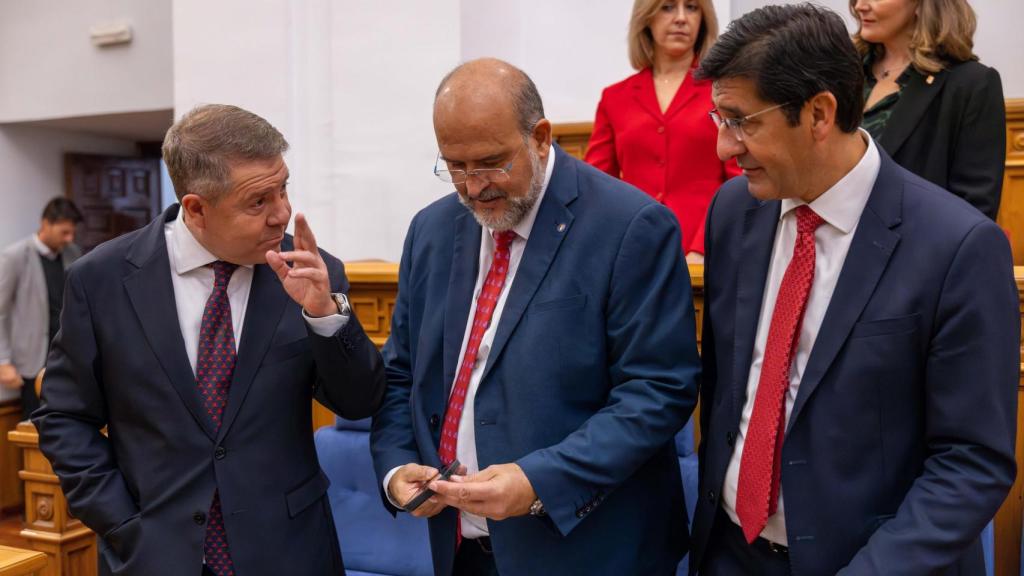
{"x": 736, "y": 124}
{"x": 488, "y": 175}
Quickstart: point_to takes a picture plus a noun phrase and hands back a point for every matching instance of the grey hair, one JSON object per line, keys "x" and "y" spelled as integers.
{"x": 199, "y": 147}
{"x": 526, "y": 101}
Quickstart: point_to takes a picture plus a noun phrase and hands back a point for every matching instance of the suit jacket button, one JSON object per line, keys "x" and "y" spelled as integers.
{"x": 199, "y": 518}
{"x": 711, "y": 496}
{"x": 731, "y": 438}
{"x": 220, "y": 453}
{"x": 434, "y": 420}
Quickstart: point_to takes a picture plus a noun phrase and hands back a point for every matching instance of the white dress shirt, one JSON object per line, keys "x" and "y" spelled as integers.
{"x": 474, "y": 526}
{"x": 841, "y": 207}
{"x": 43, "y": 249}
{"x": 192, "y": 280}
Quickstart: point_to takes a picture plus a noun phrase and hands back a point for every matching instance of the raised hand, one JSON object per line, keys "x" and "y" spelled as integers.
{"x": 306, "y": 280}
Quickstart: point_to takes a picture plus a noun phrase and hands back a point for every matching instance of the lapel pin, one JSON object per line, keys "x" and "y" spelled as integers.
{"x": 560, "y": 227}
{"x": 929, "y": 80}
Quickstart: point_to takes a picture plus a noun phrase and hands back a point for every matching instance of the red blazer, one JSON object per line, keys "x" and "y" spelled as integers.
{"x": 670, "y": 156}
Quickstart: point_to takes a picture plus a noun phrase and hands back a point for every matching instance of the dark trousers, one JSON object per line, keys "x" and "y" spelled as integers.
{"x": 29, "y": 400}
{"x": 475, "y": 558}
{"x": 728, "y": 553}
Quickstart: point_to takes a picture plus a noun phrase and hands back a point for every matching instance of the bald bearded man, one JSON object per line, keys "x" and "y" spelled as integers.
{"x": 543, "y": 336}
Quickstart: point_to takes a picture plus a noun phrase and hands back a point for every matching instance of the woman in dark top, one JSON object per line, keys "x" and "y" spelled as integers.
{"x": 928, "y": 101}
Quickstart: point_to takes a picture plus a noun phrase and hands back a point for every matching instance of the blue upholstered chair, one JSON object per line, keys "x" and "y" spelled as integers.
{"x": 372, "y": 542}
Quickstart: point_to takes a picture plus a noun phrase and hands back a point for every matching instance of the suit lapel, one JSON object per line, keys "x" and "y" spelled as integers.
{"x": 461, "y": 281}
{"x": 553, "y": 223}
{"x": 152, "y": 296}
{"x": 687, "y": 91}
{"x": 267, "y": 301}
{"x": 913, "y": 102}
{"x": 754, "y": 261}
{"x": 872, "y": 246}
{"x": 644, "y": 94}
{"x": 34, "y": 269}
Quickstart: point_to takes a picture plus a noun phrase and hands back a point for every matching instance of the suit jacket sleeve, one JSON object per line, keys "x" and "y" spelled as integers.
{"x": 979, "y": 155}
{"x": 601, "y": 149}
{"x": 653, "y": 369}
{"x": 708, "y": 354}
{"x": 8, "y": 283}
{"x": 72, "y": 414}
{"x": 392, "y": 442}
{"x": 970, "y": 400}
{"x": 350, "y": 373}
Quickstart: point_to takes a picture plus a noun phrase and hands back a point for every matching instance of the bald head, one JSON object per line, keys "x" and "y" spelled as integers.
{"x": 491, "y": 92}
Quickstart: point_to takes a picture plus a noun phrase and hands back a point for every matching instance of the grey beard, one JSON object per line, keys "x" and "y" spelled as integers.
{"x": 515, "y": 208}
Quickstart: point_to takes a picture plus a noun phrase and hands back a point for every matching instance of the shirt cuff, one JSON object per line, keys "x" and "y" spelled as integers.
{"x": 387, "y": 481}
{"x": 326, "y": 326}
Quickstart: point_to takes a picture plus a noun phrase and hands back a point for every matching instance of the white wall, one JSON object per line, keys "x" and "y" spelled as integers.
{"x": 50, "y": 69}
{"x": 572, "y": 49}
{"x": 350, "y": 85}
{"x": 32, "y": 164}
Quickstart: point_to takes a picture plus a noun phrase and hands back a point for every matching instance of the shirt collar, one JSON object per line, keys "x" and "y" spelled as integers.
{"x": 526, "y": 224}
{"x": 842, "y": 204}
{"x": 43, "y": 249}
{"x": 188, "y": 253}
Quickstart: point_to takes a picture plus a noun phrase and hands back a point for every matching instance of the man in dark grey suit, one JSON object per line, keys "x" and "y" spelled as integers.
{"x": 201, "y": 350}
{"x": 31, "y": 293}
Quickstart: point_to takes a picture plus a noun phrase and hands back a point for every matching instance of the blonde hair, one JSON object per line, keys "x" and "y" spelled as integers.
{"x": 943, "y": 34}
{"x": 641, "y": 43}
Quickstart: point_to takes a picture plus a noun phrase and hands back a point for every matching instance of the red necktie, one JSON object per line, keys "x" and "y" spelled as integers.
{"x": 215, "y": 366}
{"x": 485, "y": 304}
{"x": 757, "y": 496}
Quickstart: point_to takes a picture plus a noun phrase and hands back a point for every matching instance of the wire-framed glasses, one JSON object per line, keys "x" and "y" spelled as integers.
{"x": 735, "y": 125}
{"x": 487, "y": 175}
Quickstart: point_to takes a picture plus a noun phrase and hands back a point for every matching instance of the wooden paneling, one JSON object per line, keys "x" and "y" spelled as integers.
{"x": 10, "y": 459}
{"x": 1011, "y": 207}
{"x": 50, "y": 528}
{"x": 574, "y": 137}
{"x": 18, "y": 562}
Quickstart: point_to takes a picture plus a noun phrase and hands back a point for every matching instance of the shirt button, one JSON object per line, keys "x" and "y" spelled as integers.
{"x": 661, "y": 129}
{"x": 199, "y": 518}
{"x": 220, "y": 453}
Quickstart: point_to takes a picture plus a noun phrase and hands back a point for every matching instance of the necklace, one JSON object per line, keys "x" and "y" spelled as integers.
{"x": 887, "y": 71}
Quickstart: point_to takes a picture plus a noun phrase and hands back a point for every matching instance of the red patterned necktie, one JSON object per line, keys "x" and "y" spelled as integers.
{"x": 215, "y": 365}
{"x": 757, "y": 496}
{"x": 485, "y": 304}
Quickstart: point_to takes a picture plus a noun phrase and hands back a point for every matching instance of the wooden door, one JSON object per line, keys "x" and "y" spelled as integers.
{"x": 116, "y": 194}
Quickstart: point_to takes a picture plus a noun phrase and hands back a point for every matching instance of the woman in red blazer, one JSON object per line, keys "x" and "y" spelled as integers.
{"x": 652, "y": 129}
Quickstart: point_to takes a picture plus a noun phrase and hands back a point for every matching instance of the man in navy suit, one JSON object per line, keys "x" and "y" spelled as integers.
{"x": 861, "y": 331}
{"x": 200, "y": 349}
{"x": 544, "y": 336}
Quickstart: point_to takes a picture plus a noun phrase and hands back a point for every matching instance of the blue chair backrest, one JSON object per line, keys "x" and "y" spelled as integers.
{"x": 372, "y": 542}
